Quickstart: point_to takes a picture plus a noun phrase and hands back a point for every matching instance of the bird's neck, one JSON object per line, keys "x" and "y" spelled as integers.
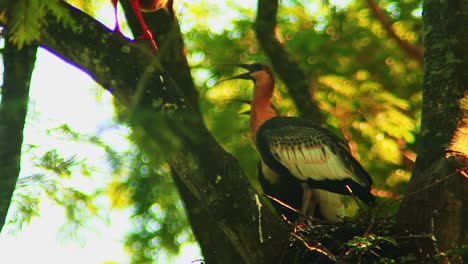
{"x": 261, "y": 110}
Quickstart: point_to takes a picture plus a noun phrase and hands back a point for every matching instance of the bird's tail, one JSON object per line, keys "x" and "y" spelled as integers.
{"x": 331, "y": 205}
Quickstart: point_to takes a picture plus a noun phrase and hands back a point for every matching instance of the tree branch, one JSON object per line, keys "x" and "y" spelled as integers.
{"x": 215, "y": 245}
{"x": 283, "y": 64}
{"x": 165, "y": 28}
{"x": 19, "y": 65}
{"x": 172, "y": 54}
{"x": 159, "y": 109}
{"x": 411, "y": 50}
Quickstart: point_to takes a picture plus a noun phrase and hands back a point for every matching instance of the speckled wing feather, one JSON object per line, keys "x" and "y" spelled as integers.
{"x": 309, "y": 153}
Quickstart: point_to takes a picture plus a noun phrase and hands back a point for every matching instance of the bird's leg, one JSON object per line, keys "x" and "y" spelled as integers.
{"x": 146, "y": 32}
{"x": 117, "y": 26}
{"x": 306, "y": 198}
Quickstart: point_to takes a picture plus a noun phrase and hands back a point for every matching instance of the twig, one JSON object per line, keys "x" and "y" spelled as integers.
{"x": 259, "y": 207}
{"x": 413, "y": 51}
{"x": 413, "y": 236}
{"x": 276, "y": 200}
{"x": 433, "y": 238}
{"x": 369, "y": 227}
{"x": 354, "y": 197}
{"x": 436, "y": 182}
{"x": 385, "y": 194}
{"x": 285, "y": 204}
{"x": 463, "y": 173}
{"x": 323, "y": 251}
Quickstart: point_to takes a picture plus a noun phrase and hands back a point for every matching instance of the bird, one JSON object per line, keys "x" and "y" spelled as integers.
{"x": 299, "y": 152}
{"x": 286, "y": 193}
{"x": 139, "y": 6}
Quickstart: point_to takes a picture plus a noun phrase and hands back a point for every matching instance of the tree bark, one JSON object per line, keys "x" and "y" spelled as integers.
{"x": 436, "y": 201}
{"x": 165, "y": 28}
{"x": 172, "y": 54}
{"x": 158, "y": 109}
{"x": 19, "y": 64}
{"x": 215, "y": 245}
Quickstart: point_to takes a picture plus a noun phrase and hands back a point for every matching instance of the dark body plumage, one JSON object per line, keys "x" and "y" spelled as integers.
{"x": 286, "y": 189}
{"x": 289, "y": 191}
{"x": 309, "y": 153}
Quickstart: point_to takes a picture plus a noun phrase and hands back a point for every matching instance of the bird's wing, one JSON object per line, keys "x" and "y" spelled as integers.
{"x": 310, "y": 152}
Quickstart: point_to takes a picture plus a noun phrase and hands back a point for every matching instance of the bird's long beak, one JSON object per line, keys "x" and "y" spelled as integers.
{"x": 243, "y": 65}
{"x": 245, "y": 76}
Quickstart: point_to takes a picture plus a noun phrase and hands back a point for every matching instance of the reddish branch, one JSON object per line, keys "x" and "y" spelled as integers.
{"x": 165, "y": 28}
{"x": 411, "y": 50}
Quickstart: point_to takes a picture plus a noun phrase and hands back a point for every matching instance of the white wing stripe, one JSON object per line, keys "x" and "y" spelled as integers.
{"x": 317, "y": 163}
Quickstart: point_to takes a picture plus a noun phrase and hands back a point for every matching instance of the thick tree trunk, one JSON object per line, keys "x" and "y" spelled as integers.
{"x": 158, "y": 111}
{"x": 436, "y": 201}
{"x": 19, "y": 65}
{"x": 214, "y": 244}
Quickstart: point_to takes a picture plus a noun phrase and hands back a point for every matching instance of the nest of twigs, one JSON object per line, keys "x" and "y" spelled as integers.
{"x": 356, "y": 240}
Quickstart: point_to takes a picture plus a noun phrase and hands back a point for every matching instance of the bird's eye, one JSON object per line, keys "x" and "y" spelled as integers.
{"x": 255, "y": 67}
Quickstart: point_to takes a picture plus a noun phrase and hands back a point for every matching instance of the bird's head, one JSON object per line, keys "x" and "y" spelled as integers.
{"x": 256, "y": 72}
{"x": 260, "y": 74}
{"x": 261, "y": 109}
